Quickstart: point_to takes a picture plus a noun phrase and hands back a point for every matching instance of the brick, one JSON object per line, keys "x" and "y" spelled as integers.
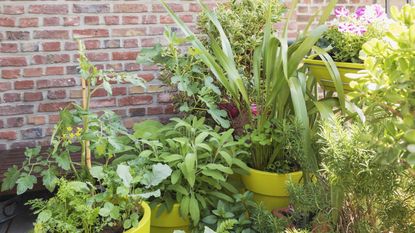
{"x": 29, "y": 46}
{"x": 22, "y": 144}
{"x": 135, "y": 100}
{"x": 32, "y": 96}
{"x": 55, "y": 70}
{"x": 18, "y": 35}
{"x": 51, "y": 34}
{"x": 5, "y": 86}
{"x": 7, "y": 22}
{"x": 130, "y": 8}
{"x": 132, "y": 67}
{"x": 51, "y": 21}
{"x": 13, "y": 9}
{"x": 14, "y": 122}
{"x": 91, "y": 8}
{"x": 149, "y": 19}
{"x": 56, "y": 94}
{"x": 51, "y": 46}
{"x": 9, "y": 110}
{"x": 169, "y": 109}
{"x": 32, "y": 133}
{"x": 116, "y": 91}
{"x": 91, "y": 33}
{"x": 116, "y": 67}
{"x": 28, "y": 22}
{"x": 92, "y": 44}
{"x": 154, "y": 110}
{"x": 77, "y": 94}
{"x": 71, "y": 46}
{"x": 174, "y": 6}
{"x": 63, "y": 82}
{"x": 32, "y": 72}
{"x": 11, "y": 97}
{"x": 38, "y": 60}
{"x": 97, "y": 103}
{"x": 130, "y": 20}
{"x": 22, "y": 85}
{"x": 111, "y": 20}
{"x": 57, "y": 58}
{"x": 13, "y": 61}
{"x": 98, "y": 93}
{"x": 72, "y": 21}
{"x": 36, "y": 120}
{"x": 122, "y": 32}
{"x": 164, "y": 98}
{"x": 72, "y": 70}
{"x": 130, "y": 43}
{"x": 98, "y": 56}
{"x": 10, "y": 74}
{"x": 52, "y": 107}
{"x": 124, "y": 55}
{"x": 91, "y": 20}
{"x": 1, "y": 124}
{"x": 133, "y": 112}
{"x": 112, "y": 43}
{"x": 53, "y": 9}
{"x": 8, "y": 135}
{"x": 156, "y": 31}
{"x": 149, "y": 42}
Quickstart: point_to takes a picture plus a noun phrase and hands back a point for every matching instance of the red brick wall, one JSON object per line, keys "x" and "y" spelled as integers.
{"x": 38, "y": 59}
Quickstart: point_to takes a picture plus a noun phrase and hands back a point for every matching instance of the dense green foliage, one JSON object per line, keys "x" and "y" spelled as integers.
{"x": 198, "y": 93}
{"x": 386, "y": 89}
{"x": 202, "y": 159}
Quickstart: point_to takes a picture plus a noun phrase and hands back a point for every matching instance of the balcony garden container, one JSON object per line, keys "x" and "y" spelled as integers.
{"x": 167, "y": 222}
{"x": 144, "y": 224}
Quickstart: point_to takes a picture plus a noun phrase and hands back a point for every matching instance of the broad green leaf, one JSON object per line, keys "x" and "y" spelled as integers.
{"x": 184, "y": 206}
{"x": 10, "y": 178}
{"x": 194, "y": 209}
{"x": 147, "y": 195}
{"x": 97, "y": 172}
{"x": 214, "y": 174}
{"x": 64, "y": 160}
{"x": 219, "y": 167}
{"x": 222, "y": 196}
{"x": 210, "y": 219}
{"x": 147, "y": 129}
{"x": 79, "y": 186}
{"x": 24, "y": 183}
{"x": 158, "y": 173}
{"x": 190, "y": 165}
{"x": 49, "y": 179}
{"x": 175, "y": 176}
{"x": 123, "y": 171}
{"x": 44, "y": 216}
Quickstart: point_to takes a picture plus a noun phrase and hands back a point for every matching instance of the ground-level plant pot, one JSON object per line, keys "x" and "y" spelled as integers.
{"x": 319, "y": 70}
{"x": 144, "y": 224}
{"x": 167, "y": 222}
{"x": 270, "y": 189}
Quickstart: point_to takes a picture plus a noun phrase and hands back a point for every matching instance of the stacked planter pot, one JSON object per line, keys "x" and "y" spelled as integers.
{"x": 319, "y": 70}
{"x": 270, "y": 189}
{"x": 144, "y": 224}
{"x": 167, "y": 222}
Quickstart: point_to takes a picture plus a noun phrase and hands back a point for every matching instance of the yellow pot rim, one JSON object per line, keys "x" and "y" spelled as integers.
{"x": 349, "y": 65}
{"x": 253, "y": 170}
{"x": 168, "y": 219}
{"x": 144, "y": 220}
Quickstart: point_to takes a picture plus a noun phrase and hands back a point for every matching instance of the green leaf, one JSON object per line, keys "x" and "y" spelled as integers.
{"x": 147, "y": 195}
{"x": 211, "y": 219}
{"x": 184, "y": 206}
{"x": 24, "y": 183}
{"x": 123, "y": 171}
{"x": 63, "y": 160}
{"x": 106, "y": 209}
{"x": 49, "y": 179}
{"x": 10, "y": 178}
{"x": 190, "y": 166}
{"x": 159, "y": 173}
{"x": 107, "y": 87}
{"x": 147, "y": 129}
{"x": 219, "y": 167}
{"x": 175, "y": 176}
{"x": 194, "y": 209}
{"x": 222, "y": 196}
{"x": 97, "y": 172}
{"x": 79, "y": 186}
{"x": 214, "y": 174}
{"x": 44, "y": 216}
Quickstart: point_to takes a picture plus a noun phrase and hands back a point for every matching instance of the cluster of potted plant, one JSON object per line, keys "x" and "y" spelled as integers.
{"x": 254, "y": 136}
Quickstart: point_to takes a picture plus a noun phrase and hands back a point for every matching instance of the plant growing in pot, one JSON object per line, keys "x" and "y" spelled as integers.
{"x": 340, "y": 46}
{"x": 281, "y": 97}
{"x": 202, "y": 159}
{"x": 96, "y": 192}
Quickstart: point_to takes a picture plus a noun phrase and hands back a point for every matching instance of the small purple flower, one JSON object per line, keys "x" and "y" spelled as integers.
{"x": 343, "y": 27}
{"x": 254, "y": 109}
{"x": 360, "y": 12}
{"x": 341, "y": 12}
{"x": 379, "y": 11}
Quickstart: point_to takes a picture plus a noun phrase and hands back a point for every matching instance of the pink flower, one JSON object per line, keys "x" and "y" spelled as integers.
{"x": 379, "y": 11}
{"x": 360, "y": 12}
{"x": 230, "y": 109}
{"x": 254, "y": 109}
{"x": 341, "y": 12}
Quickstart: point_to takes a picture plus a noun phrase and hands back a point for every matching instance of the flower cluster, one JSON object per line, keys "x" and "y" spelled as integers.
{"x": 357, "y": 22}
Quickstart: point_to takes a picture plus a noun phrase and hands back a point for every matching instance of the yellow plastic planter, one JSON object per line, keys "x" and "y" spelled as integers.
{"x": 144, "y": 224}
{"x": 168, "y": 222}
{"x": 319, "y": 70}
{"x": 270, "y": 189}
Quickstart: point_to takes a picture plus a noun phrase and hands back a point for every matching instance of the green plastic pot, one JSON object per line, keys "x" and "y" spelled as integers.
{"x": 270, "y": 189}
{"x": 144, "y": 224}
{"x": 319, "y": 70}
{"x": 167, "y": 222}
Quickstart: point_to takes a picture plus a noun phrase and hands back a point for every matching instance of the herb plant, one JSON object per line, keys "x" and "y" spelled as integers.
{"x": 349, "y": 31}
{"x": 201, "y": 158}
{"x": 101, "y": 184}
{"x": 198, "y": 92}
{"x": 279, "y": 89}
